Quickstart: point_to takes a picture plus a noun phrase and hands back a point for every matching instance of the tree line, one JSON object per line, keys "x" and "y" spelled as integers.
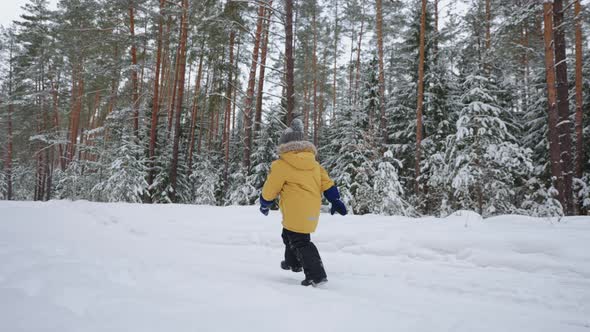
{"x": 415, "y": 107}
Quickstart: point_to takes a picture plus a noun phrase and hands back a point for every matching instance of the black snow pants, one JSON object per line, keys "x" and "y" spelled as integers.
{"x": 300, "y": 251}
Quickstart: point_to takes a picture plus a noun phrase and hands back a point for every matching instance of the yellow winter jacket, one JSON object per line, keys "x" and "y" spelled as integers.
{"x": 299, "y": 180}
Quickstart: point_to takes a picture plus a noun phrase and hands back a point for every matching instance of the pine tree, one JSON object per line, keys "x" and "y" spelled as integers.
{"x": 353, "y": 149}
{"x": 487, "y": 159}
{"x": 403, "y": 102}
{"x": 9, "y": 98}
{"x": 32, "y": 70}
{"x": 439, "y": 124}
{"x": 156, "y": 98}
{"x": 181, "y": 59}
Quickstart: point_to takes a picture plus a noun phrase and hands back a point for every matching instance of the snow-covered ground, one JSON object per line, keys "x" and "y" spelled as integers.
{"x": 79, "y": 266}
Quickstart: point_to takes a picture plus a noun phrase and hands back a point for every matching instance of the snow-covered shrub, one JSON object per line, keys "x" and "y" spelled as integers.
{"x": 3, "y": 185}
{"x": 582, "y": 189}
{"x": 540, "y": 201}
{"x": 240, "y": 191}
{"x": 125, "y": 175}
{"x": 69, "y": 183}
{"x": 206, "y": 180}
{"x": 388, "y": 191}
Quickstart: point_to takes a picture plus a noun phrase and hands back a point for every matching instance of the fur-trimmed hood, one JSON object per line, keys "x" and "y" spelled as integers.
{"x": 299, "y": 154}
{"x": 298, "y": 146}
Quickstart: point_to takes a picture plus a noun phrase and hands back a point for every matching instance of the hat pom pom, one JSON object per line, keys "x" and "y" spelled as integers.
{"x": 297, "y": 125}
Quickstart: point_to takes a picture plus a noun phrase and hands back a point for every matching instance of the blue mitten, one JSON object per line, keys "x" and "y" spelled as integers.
{"x": 265, "y": 205}
{"x": 338, "y": 206}
{"x": 333, "y": 196}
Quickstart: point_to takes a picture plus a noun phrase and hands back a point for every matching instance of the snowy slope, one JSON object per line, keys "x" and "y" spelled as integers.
{"x": 118, "y": 267}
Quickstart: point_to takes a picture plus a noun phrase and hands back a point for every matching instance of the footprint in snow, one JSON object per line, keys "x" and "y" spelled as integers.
{"x": 136, "y": 232}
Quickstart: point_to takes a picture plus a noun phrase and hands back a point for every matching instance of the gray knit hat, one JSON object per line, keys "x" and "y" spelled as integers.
{"x": 293, "y": 133}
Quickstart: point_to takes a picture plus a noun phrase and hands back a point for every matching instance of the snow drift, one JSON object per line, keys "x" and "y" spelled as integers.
{"x": 80, "y": 266}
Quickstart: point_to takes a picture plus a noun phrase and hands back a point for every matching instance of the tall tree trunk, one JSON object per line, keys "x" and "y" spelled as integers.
{"x": 114, "y": 82}
{"x": 217, "y": 111}
{"x": 228, "y": 105}
{"x": 92, "y": 124}
{"x": 195, "y": 112}
{"x": 55, "y": 129}
{"x": 335, "y": 61}
{"x": 553, "y": 115}
{"x": 115, "y": 79}
{"x": 134, "y": 79}
{"x": 143, "y": 62}
{"x": 382, "y": 117}
{"x": 77, "y": 110}
{"x": 233, "y": 112}
{"x": 420, "y": 97}
{"x": 250, "y": 91}
{"x": 485, "y": 57}
{"x": 289, "y": 60}
{"x": 435, "y": 46}
{"x": 305, "y": 107}
{"x": 564, "y": 125}
{"x": 315, "y": 79}
{"x": 210, "y": 128}
{"x": 174, "y": 89}
{"x": 72, "y": 140}
{"x": 8, "y": 162}
{"x": 36, "y": 145}
{"x": 46, "y": 128}
{"x": 166, "y": 65}
{"x": 156, "y": 100}
{"x": 323, "y": 79}
{"x": 263, "y": 53}
{"x": 187, "y": 84}
{"x": 54, "y": 92}
{"x": 351, "y": 65}
{"x": 579, "y": 95}
{"x": 525, "y": 62}
{"x": 358, "y": 58}
{"x": 180, "y": 96}
{"x": 50, "y": 157}
{"x": 9, "y": 151}
{"x": 202, "y": 116}
{"x": 488, "y": 24}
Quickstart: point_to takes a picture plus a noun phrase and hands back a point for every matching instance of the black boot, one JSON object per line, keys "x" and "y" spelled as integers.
{"x": 286, "y": 266}
{"x": 307, "y": 282}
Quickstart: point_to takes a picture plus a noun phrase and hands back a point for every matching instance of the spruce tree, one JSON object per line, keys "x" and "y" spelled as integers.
{"x": 485, "y": 153}
{"x": 388, "y": 191}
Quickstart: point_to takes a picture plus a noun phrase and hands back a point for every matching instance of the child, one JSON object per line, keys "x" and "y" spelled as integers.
{"x": 299, "y": 180}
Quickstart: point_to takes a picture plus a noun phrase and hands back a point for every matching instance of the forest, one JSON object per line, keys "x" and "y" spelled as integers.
{"x": 417, "y": 107}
